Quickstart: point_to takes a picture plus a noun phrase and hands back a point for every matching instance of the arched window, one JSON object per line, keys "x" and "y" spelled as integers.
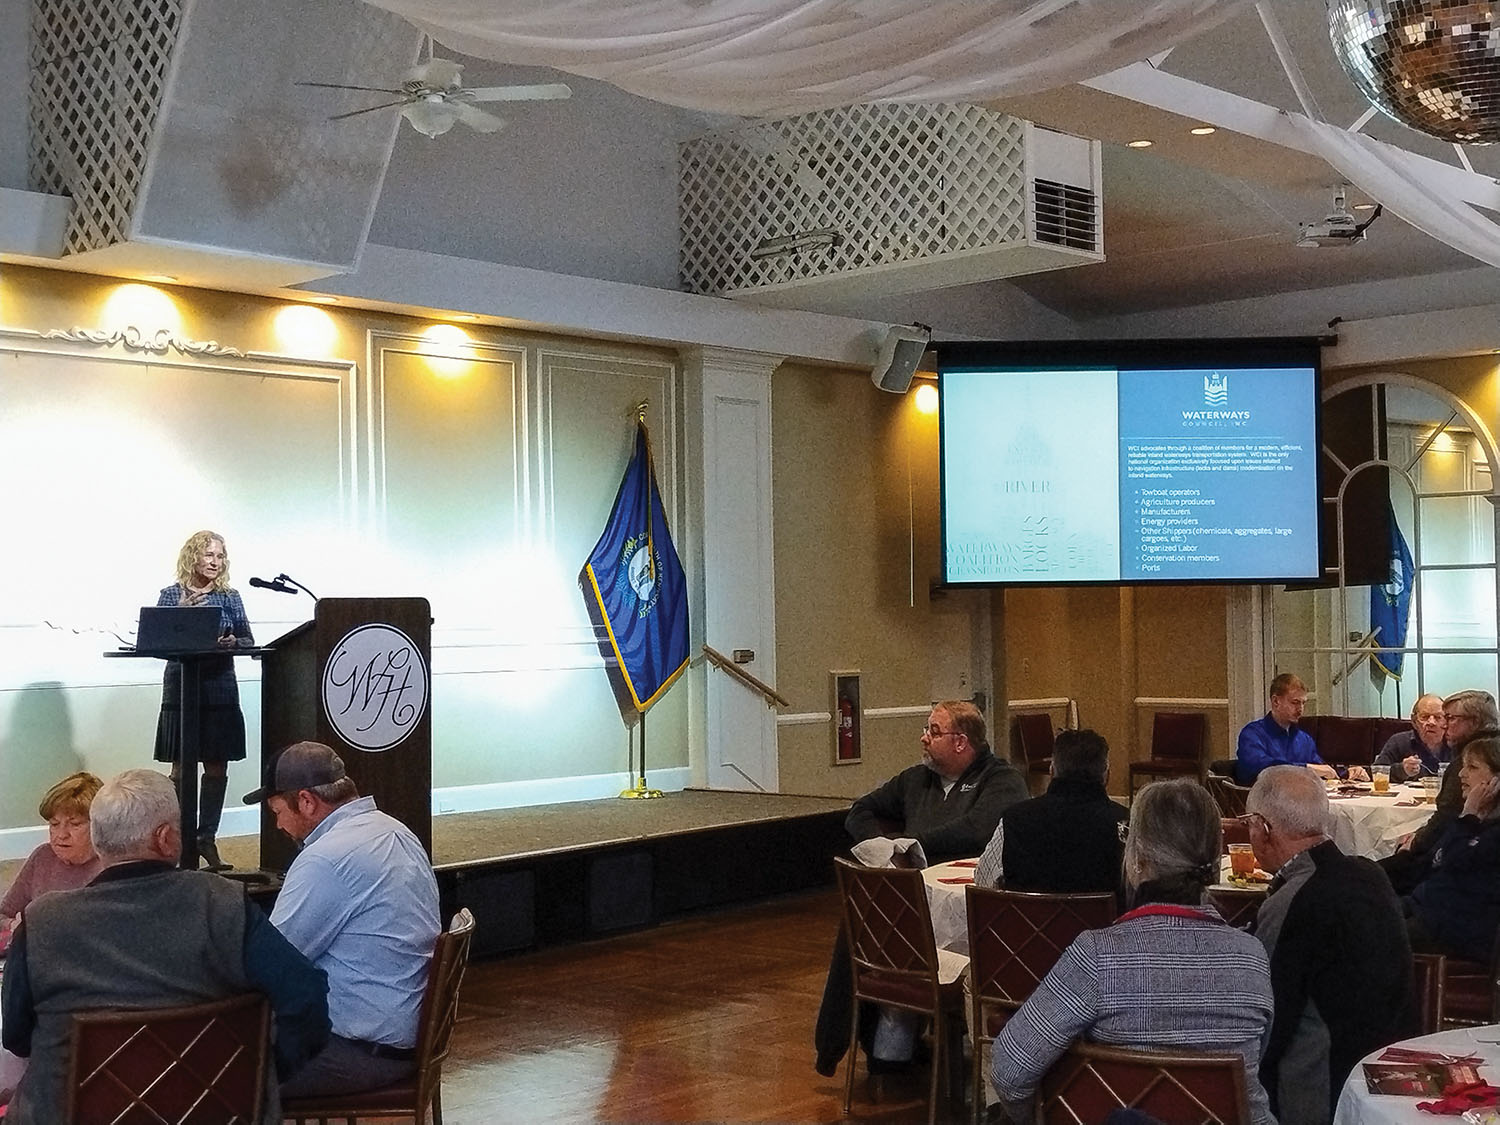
{"x": 1441, "y": 465}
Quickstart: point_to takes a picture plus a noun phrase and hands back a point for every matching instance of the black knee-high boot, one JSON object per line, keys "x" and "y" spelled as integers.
{"x": 210, "y": 809}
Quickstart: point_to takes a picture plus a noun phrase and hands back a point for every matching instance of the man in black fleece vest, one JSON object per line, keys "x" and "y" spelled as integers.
{"x": 1340, "y": 958}
{"x": 1070, "y": 839}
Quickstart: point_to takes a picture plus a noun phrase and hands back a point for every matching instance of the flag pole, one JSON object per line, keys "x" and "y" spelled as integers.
{"x": 640, "y": 791}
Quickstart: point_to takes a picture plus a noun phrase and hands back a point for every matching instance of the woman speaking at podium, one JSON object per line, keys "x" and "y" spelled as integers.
{"x": 203, "y": 579}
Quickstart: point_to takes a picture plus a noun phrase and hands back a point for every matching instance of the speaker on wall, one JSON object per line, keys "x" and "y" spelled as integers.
{"x": 899, "y": 356}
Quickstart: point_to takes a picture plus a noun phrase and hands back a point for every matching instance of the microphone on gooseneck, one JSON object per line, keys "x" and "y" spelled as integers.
{"x": 272, "y": 584}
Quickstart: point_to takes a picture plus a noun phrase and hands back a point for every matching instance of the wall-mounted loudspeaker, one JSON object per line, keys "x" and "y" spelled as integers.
{"x": 899, "y": 356}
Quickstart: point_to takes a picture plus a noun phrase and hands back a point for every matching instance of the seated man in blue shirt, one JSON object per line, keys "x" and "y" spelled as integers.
{"x": 1276, "y": 740}
{"x": 360, "y": 902}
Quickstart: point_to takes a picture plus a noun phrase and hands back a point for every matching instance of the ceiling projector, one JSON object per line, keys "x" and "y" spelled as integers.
{"x": 1338, "y": 228}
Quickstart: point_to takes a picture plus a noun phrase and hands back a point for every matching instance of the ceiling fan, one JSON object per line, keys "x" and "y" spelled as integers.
{"x": 433, "y": 99}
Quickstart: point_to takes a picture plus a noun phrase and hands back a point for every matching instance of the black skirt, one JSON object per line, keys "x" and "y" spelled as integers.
{"x": 221, "y": 725}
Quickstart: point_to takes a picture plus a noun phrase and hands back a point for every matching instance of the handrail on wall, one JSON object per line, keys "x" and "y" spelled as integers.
{"x": 771, "y": 695}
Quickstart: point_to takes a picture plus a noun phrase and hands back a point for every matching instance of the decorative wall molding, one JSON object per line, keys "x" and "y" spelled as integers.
{"x": 136, "y": 339}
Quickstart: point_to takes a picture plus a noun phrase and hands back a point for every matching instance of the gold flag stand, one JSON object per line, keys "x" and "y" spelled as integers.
{"x": 639, "y": 792}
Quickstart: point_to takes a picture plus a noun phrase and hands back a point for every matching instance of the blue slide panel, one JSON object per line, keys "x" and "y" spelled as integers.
{"x": 1217, "y": 474}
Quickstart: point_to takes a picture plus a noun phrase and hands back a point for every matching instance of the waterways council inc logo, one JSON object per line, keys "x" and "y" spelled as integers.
{"x": 1215, "y": 390}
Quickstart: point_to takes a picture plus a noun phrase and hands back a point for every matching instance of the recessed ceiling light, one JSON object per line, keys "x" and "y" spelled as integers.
{"x": 1203, "y": 130}
{"x": 465, "y": 316}
{"x": 159, "y": 277}
{"x": 1364, "y": 206}
{"x": 321, "y": 300}
{"x": 1138, "y": 144}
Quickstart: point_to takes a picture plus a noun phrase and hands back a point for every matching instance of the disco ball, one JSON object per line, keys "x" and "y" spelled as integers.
{"x": 1430, "y": 64}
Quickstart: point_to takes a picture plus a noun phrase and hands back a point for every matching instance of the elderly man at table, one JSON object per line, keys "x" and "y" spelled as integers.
{"x": 145, "y": 935}
{"x": 361, "y": 903}
{"x": 1467, "y": 715}
{"x": 1276, "y": 740}
{"x": 1420, "y": 751}
{"x": 1340, "y": 960}
{"x": 1070, "y": 839}
{"x": 949, "y": 803}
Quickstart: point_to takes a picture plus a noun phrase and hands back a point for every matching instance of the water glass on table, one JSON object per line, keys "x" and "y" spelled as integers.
{"x": 1380, "y": 779}
{"x": 1430, "y": 788}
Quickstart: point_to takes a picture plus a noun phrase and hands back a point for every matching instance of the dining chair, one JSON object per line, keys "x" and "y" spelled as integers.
{"x": 1032, "y": 731}
{"x": 1015, "y": 937}
{"x": 1237, "y": 906}
{"x": 1229, "y": 796}
{"x": 412, "y": 1096}
{"x": 893, "y": 958}
{"x": 1427, "y": 989}
{"x": 197, "y": 1062}
{"x": 1091, "y": 1081}
{"x": 1177, "y": 740}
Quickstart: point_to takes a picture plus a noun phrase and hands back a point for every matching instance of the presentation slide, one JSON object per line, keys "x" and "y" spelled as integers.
{"x": 1031, "y": 488}
{"x": 1139, "y": 475}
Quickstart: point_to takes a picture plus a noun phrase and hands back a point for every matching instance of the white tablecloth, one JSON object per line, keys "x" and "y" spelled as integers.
{"x": 949, "y": 909}
{"x": 1373, "y": 826}
{"x": 1357, "y": 1106}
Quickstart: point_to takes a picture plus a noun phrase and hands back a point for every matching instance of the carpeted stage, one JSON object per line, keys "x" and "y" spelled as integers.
{"x": 547, "y": 874}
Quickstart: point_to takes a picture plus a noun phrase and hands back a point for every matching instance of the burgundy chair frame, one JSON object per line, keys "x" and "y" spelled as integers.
{"x": 199, "y": 1062}
{"x": 893, "y": 958}
{"x": 1091, "y": 1081}
{"x": 1177, "y": 742}
{"x": 1015, "y": 937}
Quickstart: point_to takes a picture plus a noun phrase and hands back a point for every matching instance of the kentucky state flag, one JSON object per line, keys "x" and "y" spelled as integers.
{"x": 1390, "y": 605}
{"x": 636, "y": 590}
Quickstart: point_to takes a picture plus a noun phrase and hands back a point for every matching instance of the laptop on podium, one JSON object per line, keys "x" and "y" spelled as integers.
{"x": 178, "y": 628}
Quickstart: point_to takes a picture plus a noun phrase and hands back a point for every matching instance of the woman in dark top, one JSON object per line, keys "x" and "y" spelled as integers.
{"x": 203, "y": 579}
{"x": 1455, "y": 909}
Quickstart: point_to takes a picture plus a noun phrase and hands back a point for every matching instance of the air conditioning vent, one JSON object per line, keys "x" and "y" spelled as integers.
{"x": 879, "y": 199}
{"x": 1065, "y": 215}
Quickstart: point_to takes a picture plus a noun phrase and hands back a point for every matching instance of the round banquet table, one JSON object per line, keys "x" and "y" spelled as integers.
{"x": 1373, "y": 826}
{"x": 947, "y": 905}
{"x": 1357, "y": 1106}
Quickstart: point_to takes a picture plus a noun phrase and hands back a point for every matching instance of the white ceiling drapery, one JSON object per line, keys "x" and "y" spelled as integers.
{"x": 769, "y": 57}
{"x": 1404, "y": 187}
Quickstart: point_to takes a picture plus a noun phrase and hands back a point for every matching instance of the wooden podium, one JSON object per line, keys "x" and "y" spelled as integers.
{"x": 357, "y": 677}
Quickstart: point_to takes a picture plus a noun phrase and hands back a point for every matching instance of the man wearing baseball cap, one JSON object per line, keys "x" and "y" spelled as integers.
{"x": 359, "y": 902}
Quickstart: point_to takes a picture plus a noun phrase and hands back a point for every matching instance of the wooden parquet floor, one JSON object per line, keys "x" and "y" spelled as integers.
{"x": 708, "y": 1019}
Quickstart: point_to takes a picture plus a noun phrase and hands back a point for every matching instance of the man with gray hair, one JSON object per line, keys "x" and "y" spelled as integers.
{"x": 361, "y": 902}
{"x": 1340, "y": 958}
{"x": 143, "y": 934}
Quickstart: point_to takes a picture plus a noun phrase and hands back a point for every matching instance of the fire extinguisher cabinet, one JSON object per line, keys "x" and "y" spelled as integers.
{"x": 846, "y": 718}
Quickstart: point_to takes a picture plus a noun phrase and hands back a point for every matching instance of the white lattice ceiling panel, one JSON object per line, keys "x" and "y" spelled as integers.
{"x": 886, "y": 191}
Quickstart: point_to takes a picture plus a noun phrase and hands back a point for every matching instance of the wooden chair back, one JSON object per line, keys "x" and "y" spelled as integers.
{"x": 1229, "y": 796}
{"x": 1237, "y": 907}
{"x": 1427, "y": 990}
{"x": 1015, "y": 937}
{"x": 1091, "y": 1081}
{"x": 413, "y": 1097}
{"x": 889, "y": 928}
{"x": 1033, "y": 731}
{"x": 199, "y": 1062}
{"x": 1179, "y": 734}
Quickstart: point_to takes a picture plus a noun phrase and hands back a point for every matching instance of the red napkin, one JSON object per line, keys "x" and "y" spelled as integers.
{"x": 955, "y": 878}
{"x": 964, "y": 863}
{"x": 1457, "y": 1100}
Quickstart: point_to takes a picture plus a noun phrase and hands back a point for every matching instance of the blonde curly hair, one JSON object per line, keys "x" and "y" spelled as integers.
{"x": 187, "y": 560}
